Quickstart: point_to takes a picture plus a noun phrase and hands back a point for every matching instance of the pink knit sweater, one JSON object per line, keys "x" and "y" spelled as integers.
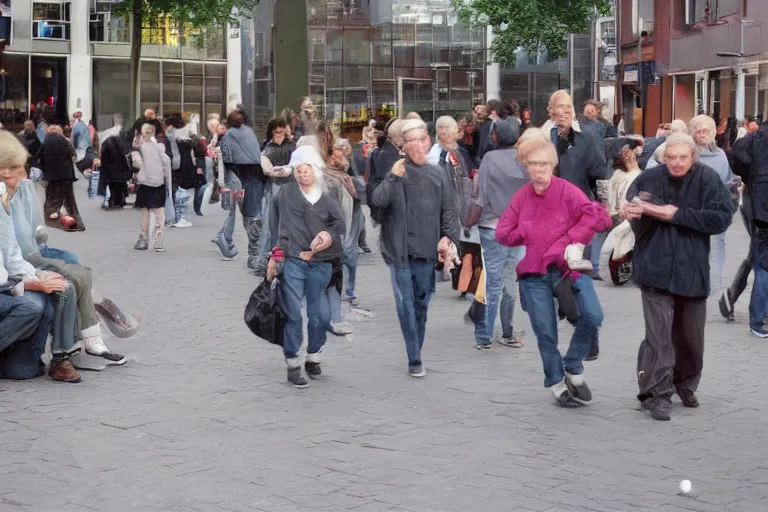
{"x": 546, "y": 224}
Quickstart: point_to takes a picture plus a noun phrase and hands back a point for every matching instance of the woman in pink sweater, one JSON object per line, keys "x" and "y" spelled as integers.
{"x": 547, "y": 215}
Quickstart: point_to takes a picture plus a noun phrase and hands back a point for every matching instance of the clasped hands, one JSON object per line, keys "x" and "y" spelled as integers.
{"x": 638, "y": 207}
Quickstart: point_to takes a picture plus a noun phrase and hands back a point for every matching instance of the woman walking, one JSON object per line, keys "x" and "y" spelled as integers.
{"x": 307, "y": 225}
{"x": 242, "y": 160}
{"x": 154, "y": 179}
{"x": 547, "y": 215}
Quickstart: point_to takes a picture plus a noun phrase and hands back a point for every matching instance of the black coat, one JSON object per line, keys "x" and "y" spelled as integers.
{"x": 278, "y": 154}
{"x": 381, "y": 162}
{"x": 582, "y": 162}
{"x": 749, "y": 159}
{"x": 673, "y": 255}
{"x": 114, "y": 160}
{"x": 56, "y": 159}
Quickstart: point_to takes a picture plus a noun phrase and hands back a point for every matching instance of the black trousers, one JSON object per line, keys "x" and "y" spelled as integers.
{"x": 117, "y": 193}
{"x": 58, "y": 194}
{"x": 739, "y": 283}
{"x": 671, "y": 356}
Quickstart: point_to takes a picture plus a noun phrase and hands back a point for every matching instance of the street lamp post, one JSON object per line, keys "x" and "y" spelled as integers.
{"x": 740, "y": 78}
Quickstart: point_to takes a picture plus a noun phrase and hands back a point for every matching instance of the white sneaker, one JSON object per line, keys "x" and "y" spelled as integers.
{"x": 578, "y": 387}
{"x": 342, "y": 328}
{"x": 183, "y": 223}
{"x": 95, "y": 346}
{"x": 562, "y": 394}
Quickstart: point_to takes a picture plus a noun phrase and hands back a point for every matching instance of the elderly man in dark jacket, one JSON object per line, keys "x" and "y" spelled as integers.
{"x": 419, "y": 228}
{"x": 674, "y": 209}
{"x": 749, "y": 159}
{"x": 381, "y": 162}
{"x": 57, "y": 158}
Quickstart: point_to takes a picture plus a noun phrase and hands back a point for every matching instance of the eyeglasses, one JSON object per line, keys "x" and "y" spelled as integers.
{"x": 420, "y": 139}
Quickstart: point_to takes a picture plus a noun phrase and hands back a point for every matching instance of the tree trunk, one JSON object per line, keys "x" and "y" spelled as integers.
{"x": 137, "y": 16}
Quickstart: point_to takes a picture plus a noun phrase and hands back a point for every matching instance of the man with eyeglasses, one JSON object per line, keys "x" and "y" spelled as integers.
{"x": 420, "y": 228}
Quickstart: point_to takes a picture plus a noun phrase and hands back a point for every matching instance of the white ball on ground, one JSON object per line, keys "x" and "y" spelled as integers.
{"x": 685, "y": 486}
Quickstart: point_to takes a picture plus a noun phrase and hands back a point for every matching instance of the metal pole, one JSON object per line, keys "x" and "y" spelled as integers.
{"x": 740, "y": 85}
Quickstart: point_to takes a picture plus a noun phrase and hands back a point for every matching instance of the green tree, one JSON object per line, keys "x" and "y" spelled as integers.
{"x": 198, "y": 14}
{"x": 533, "y": 25}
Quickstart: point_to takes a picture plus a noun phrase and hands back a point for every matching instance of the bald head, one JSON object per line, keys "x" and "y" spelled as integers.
{"x": 149, "y": 114}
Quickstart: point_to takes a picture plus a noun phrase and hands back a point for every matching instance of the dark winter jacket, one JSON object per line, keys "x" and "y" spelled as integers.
{"x": 421, "y": 208}
{"x": 582, "y": 161}
{"x": 482, "y": 137}
{"x": 749, "y": 159}
{"x": 278, "y": 154}
{"x": 114, "y": 160}
{"x": 381, "y": 163}
{"x": 673, "y": 256}
{"x": 56, "y": 159}
{"x": 294, "y": 222}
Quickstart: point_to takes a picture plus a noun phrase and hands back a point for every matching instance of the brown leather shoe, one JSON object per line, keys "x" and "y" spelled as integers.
{"x": 62, "y": 370}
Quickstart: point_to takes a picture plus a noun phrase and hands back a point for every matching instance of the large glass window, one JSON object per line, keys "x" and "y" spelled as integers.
{"x": 150, "y": 85}
{"x": 214, "y": 89}
{"x": 111, "y": 93}
{"x": 104, "y": 26}
{"x": 172, "y": 87}
{"x": 193, "y": 90}
{"x": 14, "y": 100}
{"x": 50, "y": 20}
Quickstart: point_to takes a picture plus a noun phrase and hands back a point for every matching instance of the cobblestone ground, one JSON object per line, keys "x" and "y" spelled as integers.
{"x": 201, "y": 418}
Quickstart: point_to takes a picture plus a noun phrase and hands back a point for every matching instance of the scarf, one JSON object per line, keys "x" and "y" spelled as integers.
{"x": 336, "y": 173}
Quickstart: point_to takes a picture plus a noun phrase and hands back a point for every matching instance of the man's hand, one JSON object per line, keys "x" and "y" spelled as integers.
{"x": 271, "y": 269}
{"x": 631, "y": 211}
{"x": 322, "y": 241}
{"x": 399, "y": 168}
{"x": 53, "y": 285}
{"x": 45, "y": 275}
{"x": 661, "y": 212}
{"x": 199, "y": 171}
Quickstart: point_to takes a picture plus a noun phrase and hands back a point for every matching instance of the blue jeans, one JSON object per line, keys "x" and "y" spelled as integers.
{"x": 716, "y": 263}
{"x": 758, "y": 303}
{"x": 302, "y": 280}
{"x": 232, "y": 182}
{"x": 24, "y": 326}
{"x": 595, "y": 247}
{"x": 537, "y": 300}
{"x": 350, "y": 250}
{"x": 500, "y": 279}
{"x": 65, "y": 328}
{"x": 270, "y": 192}
{"x": 413, "y": 286}
{"x": 59, "y": 254}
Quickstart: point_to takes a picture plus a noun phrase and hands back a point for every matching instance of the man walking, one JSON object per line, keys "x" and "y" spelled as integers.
{"x": 749, "y": 159}
{"x": 420, "y": 227}
{"x": 674, "y": 209}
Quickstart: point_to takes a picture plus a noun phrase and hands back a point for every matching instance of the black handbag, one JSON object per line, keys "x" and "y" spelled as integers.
{"x": 263, "y": 314}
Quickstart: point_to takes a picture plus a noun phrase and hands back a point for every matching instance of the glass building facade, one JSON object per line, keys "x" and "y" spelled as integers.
{"x": 67, "y": 54}
{"x": 373, "y": 57}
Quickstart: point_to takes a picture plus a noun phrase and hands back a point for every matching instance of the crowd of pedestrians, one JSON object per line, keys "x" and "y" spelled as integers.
{"x": 486, "y": 201}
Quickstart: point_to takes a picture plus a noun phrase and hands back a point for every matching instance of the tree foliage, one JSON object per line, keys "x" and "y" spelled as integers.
{"x": 195, "y": 13}
{"x": 533, "y": 25}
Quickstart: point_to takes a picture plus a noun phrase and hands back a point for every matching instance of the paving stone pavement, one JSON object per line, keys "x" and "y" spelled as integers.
{"x": 201, "y": 418}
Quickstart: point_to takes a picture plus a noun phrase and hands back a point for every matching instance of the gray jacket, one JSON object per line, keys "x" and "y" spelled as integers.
{"x": 421, "y": 209}
{"x": 294, "y": 222}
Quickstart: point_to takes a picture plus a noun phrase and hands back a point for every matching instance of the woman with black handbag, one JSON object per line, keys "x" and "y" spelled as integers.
{"x": 307, "y": 224}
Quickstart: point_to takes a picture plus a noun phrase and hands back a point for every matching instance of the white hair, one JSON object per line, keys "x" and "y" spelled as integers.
{"x": 704, "y": 121}
{"x": 681, "y": 139}
{"x": 446, "y": 123}
{"x": 412, "y": 125}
